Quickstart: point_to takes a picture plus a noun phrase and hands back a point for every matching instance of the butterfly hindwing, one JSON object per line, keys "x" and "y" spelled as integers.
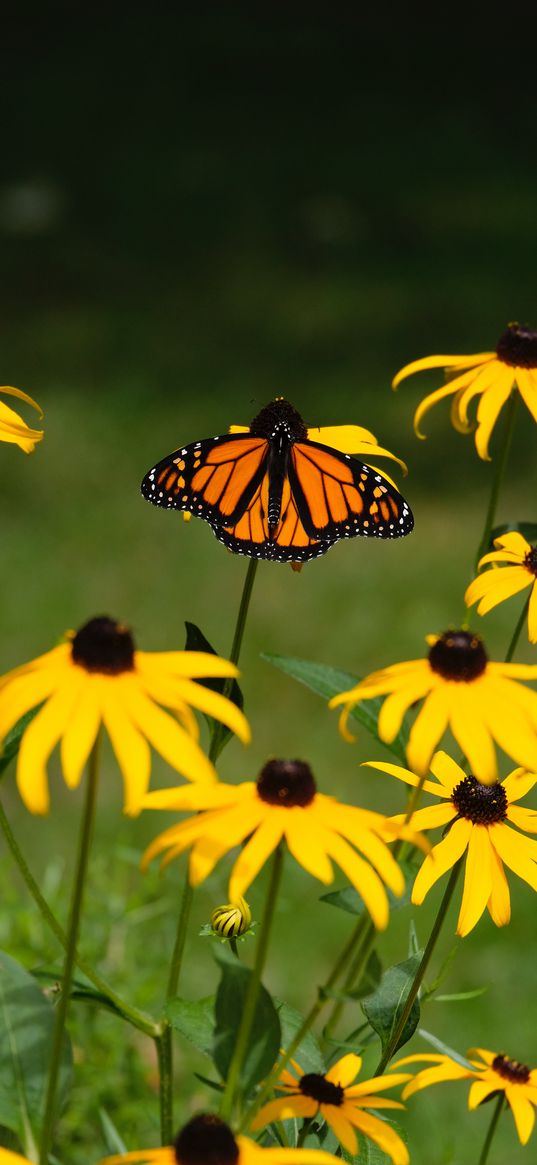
{"x": 338, "y": 496}
{"x": 214, "y": 479}
{"x": 287, "y": 542}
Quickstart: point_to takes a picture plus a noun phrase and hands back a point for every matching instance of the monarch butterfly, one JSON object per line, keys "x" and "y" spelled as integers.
{"x": 271, "y": 492}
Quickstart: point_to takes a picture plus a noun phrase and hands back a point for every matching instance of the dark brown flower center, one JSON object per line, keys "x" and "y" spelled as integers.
{"x": 511, "y": 1069}
{"x": 458, "y": 655}
{"x": 530, "y": 560}
{"x": 287, "y": 783}
{"x": 480, "y": 804}
{"x": 102, "y": 645}
{"x": 206, "y": 1140}
{"x": 321, "y": 1089}
{"x": 518, "y": 347}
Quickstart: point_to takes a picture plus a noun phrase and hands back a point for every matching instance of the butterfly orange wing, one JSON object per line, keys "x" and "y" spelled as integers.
{"x": 214, "y": 479}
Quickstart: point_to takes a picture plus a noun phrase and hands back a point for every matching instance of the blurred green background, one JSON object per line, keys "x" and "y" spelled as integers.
{"x": 200, "y": 210}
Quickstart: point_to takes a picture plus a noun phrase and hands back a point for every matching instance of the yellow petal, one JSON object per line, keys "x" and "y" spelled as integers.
{"x": 377, "y": 1084}
{"x": 523, "y": 1112}
{"x": 532, "y": 615}
{"x": 217, "y": 706}
{"x": 490, "y": 406}
{"x": 499, "y": 903}
{"x": 255, "y": 854}
{"x": 38, "y": 741}
{"x": 383, "y": 1135}
{"x": 341, "y": 1127}
{"x": 514, "y": 542}
{"x": 474, "y": 736}
{"x": 495, "y": 586}
{"x": 344, "y": 438}
{"x": 506, "y": 717}
{"x": 164, "y": 733}
{"x": 480, "y": 1089}
{"x": 24, "y": 692}
{"x": 284, "y": 1108}
{"x": 403, "y": 775}
{"x": 144, "y": 1157}
{"x": 184, "y": 664}
{"x": 8, "y": 390}
{"x": 363, "y": 878}
{"x": 447, "y": 771}
{"x": 131, "y": 750}
{"x": 477, "y": 880}
{"x": 443, "y": 857}
{"x": 345, "y": 1070}
{"x": 306, "y": 841}
{"x": 527, "y": 385}
{"x": 81, "y": 731}
{"x": 204, "y": 856}
{"x": 453, "y": 386}
{"x": 213, "y": 795}
{"x": 441, "y": 362}
{"x": 427, "y": 729}
{"x": 397, "y": 704}
{"x": 508, "y": 844}
{"x": 483, "y": 382}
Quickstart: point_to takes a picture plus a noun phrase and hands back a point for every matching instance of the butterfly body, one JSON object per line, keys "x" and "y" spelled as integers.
{"x": 273, "y": 493}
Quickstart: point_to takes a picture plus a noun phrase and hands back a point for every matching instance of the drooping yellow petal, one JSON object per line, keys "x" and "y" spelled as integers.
{"x": 514, "y": 542}
{"x": 144, "y": 1157}
{"x": 494, "y": 586}
{"x": 165, "y": 734}
{"x": 403, "y": 775}
{"x": 444, "y": 1069}
{"x": 527, "y": 385}
{"x": 477, "y": 880}
{"x": 217, "y": 706}
{"x": 26, "y": 691}
{"x": 525, "y": 819}
{"x": 430, "y": 817}
{"x": 38, "y": 741}
{"x": 344, "y": 438}
{"x": 214, "y": 795}
{"x": 506, "y": 718}
{"x": 517, "y": 784}
{"x": 508, "y": 844}
{"x": 284, "y": 1108}
{"x": 523, "y": 1112}
{"x": 428, "y": 728}
{"x": 205, "y": 854}
{"x": 427, "y": 362}
{"x": 443, "y": 857}
{"x": 532, "y": 615}
{"x": 482, "y": 383}
{"x": 366, "y": 1089}
{"x": 447, "y": 771}
{"x": 252, "y": 1154}
{"x": 363, "y": 878}
{"x": 397, "y": 704}
{"x": 383, "y": 1135}
{"x": 81, "y": 731}
{"x": 130, "y": 748}
{"x": 472, "y": 734}
{"x": 342, "y": 818}
{"x": 306, "y": 839}
{"x": 185, "y": 664}
{"x": 489, "y": 408}
{"x": 480, "y": 1089}
{"x": 471, "y": 378}
{"x": 499, "y": 903}
{"x": 255, "y": 853}
{"x": 345, "y": 1070}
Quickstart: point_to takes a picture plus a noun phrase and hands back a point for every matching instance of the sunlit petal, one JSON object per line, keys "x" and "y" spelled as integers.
{"x": 499, "y": 903}
{"x": 427, "y": 729}
{"x": 38, "y": 741}
{"x": 254, "y": 855}
{"x": 443, "y": 857}
{"x": 477, "y": 880}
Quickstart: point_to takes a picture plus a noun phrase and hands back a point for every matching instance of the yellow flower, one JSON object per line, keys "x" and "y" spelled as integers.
{"x": 283, "y": 803}
{"x": 340, "y": 1103}
{"x": 12, "y": 427}
{"x": 98, "y": 676}
{"x": 494, "y": 586}
{"x": 352, "y": 439}
{"x": 9, "y": 1158}
{"x": 491, "y": 1074}
{"x": 491, "y": 375}
{"x": 461, "y": 690}
{"x": 206, "y": 1139}
{"x": 478, "y": 818}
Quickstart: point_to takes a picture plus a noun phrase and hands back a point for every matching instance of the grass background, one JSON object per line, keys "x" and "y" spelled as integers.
{"x": 200, "y": 211}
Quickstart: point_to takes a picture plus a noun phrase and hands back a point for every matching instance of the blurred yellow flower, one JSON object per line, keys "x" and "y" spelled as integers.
{"x": 461, "y": 690}
{"x": 9, "y": 1158}
{"x": 492, "y": 587}
{"x": 208, "y": 1139}
{"x": 12, "y": 427}
{"x": 335, "y": 1098}
{"x": 492, "y": 1073}
{"x": 491, "y": 375}
{"x": 283, "y": 803}
{"x": 96, "y": 677}
{"x": 477, "y": 820}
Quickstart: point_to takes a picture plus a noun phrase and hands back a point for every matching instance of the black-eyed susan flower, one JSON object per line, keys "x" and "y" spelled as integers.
{"x": 207, "y": 1140}
{"x": 283, "y": 804}
{"x": 13, "y": 429}
{"x": 480, "y": 702}
{"x": 491, "y": 1074}
{"x": 231, "y": 920}
{"x": 491, "y": 375}
{"x": 339, "y": 1102}
{"x": 478, "y": 820}
{"x": 520, "y": 571}
{"x": 97, "y": 676}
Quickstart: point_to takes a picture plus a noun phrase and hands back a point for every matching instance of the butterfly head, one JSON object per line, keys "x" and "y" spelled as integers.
{"x": 279, "y": 418}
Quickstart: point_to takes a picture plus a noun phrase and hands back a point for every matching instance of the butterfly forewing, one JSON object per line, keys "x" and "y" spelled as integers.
{"x": 338, "y": 496}
{"x": 214, "y": 479}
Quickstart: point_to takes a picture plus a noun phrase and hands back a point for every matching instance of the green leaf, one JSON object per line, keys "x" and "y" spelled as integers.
{"x": 81, "y": 988}
{"x": 328, "y": 681}
{"x": 265, "y": 1035}
{"x": 26, "y": 1026}
{"x": 112, "y": 1139}
{"x": 194, "y": 1020}
{"x": 383, "y": 1008}
{"x": 350, "y": 901}
{"x": 196, "y": 641}
{"x": 444, "y": 1048}
{"x": 527, "y": 529}
{"x": 308, "y": 1054}
{"x": 13, "y": 739}
{"x": 368, "y": 983}
{"x": 460, "y": 996}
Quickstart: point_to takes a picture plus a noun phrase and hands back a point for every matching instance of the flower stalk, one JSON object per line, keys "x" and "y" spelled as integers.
{"x": 492, "y": 1129}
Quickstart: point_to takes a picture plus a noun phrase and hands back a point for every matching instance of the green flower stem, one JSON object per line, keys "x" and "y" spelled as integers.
{"x": 250, "y": 1002}
{"x": 323, "y": 997}
{"x": 62, "y": 1006}
{"x": 516, "y": 633}
{"x": 139, "y": 1019}
{"x": 393, "y": 1043}
{"x": 497, "y": 480}
{"x": 492, "y": 1129}
{"x": 306, "y": 1126}
{"x": 165, "y": 1046}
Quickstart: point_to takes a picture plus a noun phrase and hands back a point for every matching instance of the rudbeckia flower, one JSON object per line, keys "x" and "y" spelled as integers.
{"x": 479, "y": 820}
{"x": 97, "y": 676}
{"x": 491, "y": 375}
{"x": 282, "y": 804}
{"x": 207, "y": 1139}
{"x": 491, "y": 1073}
{"x": 12, "y": 427}
{"x": 335, "y": 1098}
{"x": 462, "y": 690}
{"x": 492, "y": 587}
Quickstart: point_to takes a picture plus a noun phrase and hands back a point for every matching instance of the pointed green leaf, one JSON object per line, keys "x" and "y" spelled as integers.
{"x": 328, "y": 681}
{"x": 384, "y": 1007}
{"x": 26, "y": 1026}
{"x": 444, "y": 1048}
{"x": 351, "y": 902}
{"x": 196, "y": 641}
{"x": 13, "y": 739}
{"x": 112, "y": 1139}
{"x": 194, "y": 1019}
{"x": 265, "y": 1035}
